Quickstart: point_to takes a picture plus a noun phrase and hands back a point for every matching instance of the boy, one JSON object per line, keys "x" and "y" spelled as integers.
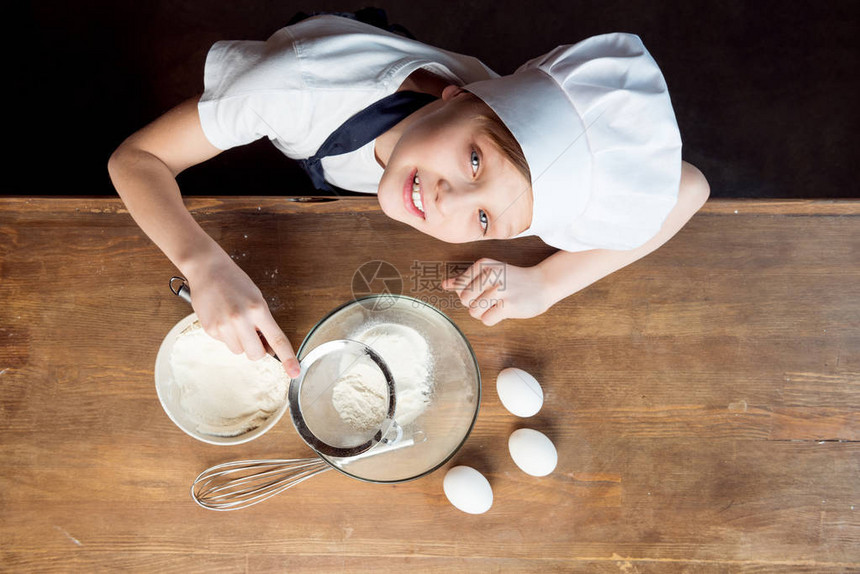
{"x": 579, "y": 146}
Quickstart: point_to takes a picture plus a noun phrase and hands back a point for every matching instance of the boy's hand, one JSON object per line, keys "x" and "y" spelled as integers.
{"x": 494, "y": 291}
{"x": 232, "y": 309}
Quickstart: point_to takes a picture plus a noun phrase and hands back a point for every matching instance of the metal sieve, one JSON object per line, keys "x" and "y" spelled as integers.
{"x": 313, "y": 400}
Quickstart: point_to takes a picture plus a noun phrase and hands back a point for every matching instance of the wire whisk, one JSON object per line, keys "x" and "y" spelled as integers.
{"x": 244, "y": 483}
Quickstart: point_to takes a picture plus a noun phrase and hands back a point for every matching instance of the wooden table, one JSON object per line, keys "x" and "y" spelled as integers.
{"x": 704, "y": 401}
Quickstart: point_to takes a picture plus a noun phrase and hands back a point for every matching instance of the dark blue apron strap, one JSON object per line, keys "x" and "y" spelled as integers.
{"x": 362, "y": 128}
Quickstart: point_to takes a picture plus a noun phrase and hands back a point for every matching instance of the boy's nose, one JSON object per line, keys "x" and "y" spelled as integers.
{"x": 450, "y": 200}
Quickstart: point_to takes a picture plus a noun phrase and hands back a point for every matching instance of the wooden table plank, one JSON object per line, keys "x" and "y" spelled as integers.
{"x": 704, "y": 401}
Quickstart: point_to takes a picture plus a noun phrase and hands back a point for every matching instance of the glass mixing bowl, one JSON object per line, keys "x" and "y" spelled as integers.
{"x": 432, "y": 438}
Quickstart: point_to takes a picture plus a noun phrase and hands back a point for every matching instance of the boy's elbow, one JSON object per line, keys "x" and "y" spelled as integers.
{"x": 694, "y": 185}
{"x": 703, "y": 189}
{"x": 119, "y": 165}
{"x": 116, "y": 159}
{"x": 119, "y": 161}
{"x": 113, "y": 163}
{"x": 702, "y": 192}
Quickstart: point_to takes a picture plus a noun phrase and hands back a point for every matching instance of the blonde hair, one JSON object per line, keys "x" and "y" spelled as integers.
{"x": 502, "y": 138}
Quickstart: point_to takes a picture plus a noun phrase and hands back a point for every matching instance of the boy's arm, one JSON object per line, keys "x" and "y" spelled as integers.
{"x": 566, "y": 273}
{"x": 143, "y": 170}
{"x": 523, "y": 292}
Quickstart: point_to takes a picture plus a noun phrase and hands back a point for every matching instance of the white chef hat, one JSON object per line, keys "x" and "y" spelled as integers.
{"x": 597, "y": 128}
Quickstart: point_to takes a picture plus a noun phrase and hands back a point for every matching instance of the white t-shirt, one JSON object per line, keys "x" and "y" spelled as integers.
{"x": 306, "y": 80}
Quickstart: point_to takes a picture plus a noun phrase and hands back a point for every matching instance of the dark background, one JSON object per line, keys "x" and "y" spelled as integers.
{"x": 764, "y": 91}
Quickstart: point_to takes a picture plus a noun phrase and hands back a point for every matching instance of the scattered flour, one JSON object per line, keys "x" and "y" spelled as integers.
{"x": 407, "y": 354}
{"x": 225, "y": 394}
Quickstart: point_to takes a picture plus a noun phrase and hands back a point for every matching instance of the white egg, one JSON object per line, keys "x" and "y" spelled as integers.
{"x": 533, "y": 452}
{"x": 468, "y": 490}
{"x": 519, "y": 392}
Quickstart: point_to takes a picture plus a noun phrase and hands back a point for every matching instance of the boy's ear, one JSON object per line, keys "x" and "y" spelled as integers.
{"x": 450, "y": 91}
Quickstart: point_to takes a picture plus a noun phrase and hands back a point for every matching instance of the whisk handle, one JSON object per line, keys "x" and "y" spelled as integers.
{"x": 180, "y": 288}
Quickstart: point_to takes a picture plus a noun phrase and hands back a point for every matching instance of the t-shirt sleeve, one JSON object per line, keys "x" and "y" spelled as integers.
{"x": 302, "y": 83}
{"x": 253, "y": 90}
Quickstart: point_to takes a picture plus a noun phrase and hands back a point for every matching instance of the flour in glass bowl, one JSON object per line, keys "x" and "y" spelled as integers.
{"x": 360, "y": 397}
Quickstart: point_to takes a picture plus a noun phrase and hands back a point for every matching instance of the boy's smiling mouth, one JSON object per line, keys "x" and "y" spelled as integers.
{"x": 412, "y": 196}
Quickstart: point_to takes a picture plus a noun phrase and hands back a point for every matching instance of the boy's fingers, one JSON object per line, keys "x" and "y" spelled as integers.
{"x": 229, "y": 338}
{"x": 457, "y": 282}
{"x": 482, "y": 304}
{"x": 475, "y": 282}
{"x": 461, "y": 281}
{"x": 476, "y": 289}
{"x": 494, "y": 314}
{"x": 280, "y": 345}
{"x": 251, "y": 342}
{"x": 452, "y": 284}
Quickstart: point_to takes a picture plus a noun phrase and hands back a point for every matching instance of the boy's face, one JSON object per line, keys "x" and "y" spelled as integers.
{"x": 446, "y": 178}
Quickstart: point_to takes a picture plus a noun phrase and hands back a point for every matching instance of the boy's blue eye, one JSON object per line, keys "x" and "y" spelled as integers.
{"x": 475, "y": 160}
{"x": 484, "y": 220}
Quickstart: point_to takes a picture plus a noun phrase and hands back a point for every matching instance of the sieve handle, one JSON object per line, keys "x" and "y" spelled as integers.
{"x": 394, "y": 434}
